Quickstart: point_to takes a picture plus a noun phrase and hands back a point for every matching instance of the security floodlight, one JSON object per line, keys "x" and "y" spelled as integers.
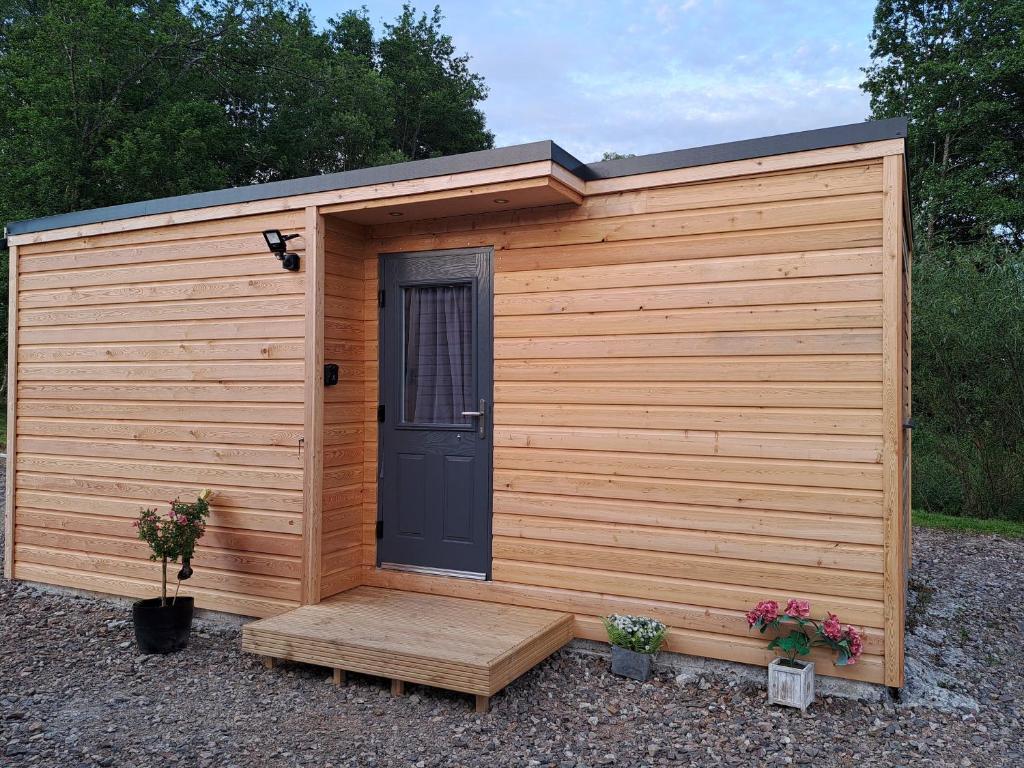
{"x": 276, "y": 241}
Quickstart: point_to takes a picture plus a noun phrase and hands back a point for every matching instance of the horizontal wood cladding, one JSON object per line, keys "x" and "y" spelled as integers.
{"x": 688, "y": 404}
{"x": 344, "y": 425}
{"x": 150, "y": 364}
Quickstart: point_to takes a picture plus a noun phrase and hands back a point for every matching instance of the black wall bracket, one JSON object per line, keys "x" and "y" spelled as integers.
{"x": 330, "y": 374}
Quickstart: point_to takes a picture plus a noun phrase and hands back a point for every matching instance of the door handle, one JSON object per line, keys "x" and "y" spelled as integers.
{"x": 480, "y": 415}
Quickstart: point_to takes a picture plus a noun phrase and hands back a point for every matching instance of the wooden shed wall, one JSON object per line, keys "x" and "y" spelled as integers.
{"x": 688, "y": 404}
{"x": 151, "y": 363}
{"x": 344, "y": 418}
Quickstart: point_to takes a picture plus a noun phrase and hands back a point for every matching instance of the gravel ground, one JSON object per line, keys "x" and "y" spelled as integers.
{"x": 73, "y": 692}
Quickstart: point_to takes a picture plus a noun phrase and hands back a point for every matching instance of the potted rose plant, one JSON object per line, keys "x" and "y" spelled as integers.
{"x": 635, "y": 640}
{"x": 790, "y": 681}
{"x": 162, "y": 625}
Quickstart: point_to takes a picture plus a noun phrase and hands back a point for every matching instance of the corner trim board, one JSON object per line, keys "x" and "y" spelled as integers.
{"x": 12, "y": 409}
{"x": 313, "y": 475}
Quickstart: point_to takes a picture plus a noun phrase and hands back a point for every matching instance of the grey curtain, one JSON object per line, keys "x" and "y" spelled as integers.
{"x": 438, "y": 354}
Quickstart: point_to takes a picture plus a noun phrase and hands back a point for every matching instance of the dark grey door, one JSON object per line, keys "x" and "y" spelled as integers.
{"x": 436, "y": 361}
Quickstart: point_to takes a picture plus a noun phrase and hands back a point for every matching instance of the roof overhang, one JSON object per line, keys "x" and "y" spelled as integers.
{"x": 541, "y": 173}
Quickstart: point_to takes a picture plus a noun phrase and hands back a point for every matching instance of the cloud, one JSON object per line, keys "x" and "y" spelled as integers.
{"x": 653, "y": 75}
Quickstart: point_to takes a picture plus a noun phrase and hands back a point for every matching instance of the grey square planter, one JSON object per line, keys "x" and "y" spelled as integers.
{"x": 636, "y": 666}
{"x": 791, "y": 686}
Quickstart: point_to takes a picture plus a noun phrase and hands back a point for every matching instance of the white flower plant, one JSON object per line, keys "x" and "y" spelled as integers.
{"x": 635, "y": 633}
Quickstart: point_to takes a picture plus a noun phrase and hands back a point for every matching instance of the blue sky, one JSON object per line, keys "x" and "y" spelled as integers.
{"x": 648, "y": 76}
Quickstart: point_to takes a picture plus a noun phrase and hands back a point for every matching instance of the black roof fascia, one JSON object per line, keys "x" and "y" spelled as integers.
{"x": 856, "y": 133}
{"x": 748, "y": 149}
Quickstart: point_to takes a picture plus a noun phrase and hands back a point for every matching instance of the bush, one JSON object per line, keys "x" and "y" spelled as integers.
{"x": 968, "y": 383}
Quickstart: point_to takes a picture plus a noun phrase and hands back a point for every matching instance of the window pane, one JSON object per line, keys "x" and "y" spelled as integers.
{"x": 438, "y": 354}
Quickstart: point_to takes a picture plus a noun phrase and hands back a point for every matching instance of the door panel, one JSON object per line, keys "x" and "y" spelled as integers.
{"x": 436, "y": 373}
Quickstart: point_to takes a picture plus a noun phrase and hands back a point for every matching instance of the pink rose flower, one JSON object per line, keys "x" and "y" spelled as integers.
{"x": 798, "y": 608}
{"x": 831, "y": 629}
{"x": 856, "y": 643}
{"x": 765, "y": 611}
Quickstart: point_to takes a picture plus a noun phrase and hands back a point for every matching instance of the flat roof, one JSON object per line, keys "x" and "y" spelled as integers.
{"x": 855, "y": 133}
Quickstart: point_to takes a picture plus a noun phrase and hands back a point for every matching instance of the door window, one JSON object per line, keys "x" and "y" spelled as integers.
{"x": 438, "y": 356}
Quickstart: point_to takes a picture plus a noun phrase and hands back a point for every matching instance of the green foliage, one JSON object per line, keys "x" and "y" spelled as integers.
{"x": 111, "y": 101}
{"x": 969, "y": 384}
{"x": 174, "y": 537}
{"x": 956, "y": 69}
{"x": 796, "y": 643}
{"x": 635, "y": 633}
{"x": 1005, "y": 528}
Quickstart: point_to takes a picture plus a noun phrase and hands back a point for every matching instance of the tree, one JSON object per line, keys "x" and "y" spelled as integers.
{"x": 111, "y": 101}
{"x": 956, "y": 69}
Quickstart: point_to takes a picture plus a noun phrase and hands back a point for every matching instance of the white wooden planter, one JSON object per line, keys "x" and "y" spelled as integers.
{"x": 791, "y": 686}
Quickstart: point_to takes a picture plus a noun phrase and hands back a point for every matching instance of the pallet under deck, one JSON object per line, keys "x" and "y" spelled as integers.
{"x": 463, "y": 645}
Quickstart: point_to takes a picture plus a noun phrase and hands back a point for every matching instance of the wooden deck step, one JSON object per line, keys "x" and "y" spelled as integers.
{"x": 449, "y": 642}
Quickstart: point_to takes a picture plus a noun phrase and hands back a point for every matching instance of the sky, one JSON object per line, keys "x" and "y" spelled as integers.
{"x": 649, "y": 76}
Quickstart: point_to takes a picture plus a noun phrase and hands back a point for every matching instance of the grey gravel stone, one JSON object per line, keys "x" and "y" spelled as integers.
{"x": 71, "y": 696}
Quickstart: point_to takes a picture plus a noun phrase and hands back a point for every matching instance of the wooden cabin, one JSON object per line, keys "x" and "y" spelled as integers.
{"x": 671, "y": 385}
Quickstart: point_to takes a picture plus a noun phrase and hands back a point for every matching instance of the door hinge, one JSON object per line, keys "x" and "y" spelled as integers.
{"x": 380, "y": 529}
{"x": 380, "y": 298}
{"x": 380, "y": 413}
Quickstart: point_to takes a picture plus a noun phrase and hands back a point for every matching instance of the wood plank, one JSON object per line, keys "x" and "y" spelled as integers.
{"x": 253, "y": 260}
{"x": 214, "y": 238}
{"x": 816, "y": 237}
{"x": 850, "y": 208}
{"x": 758, "y": 165}
{"x": 694, "y": 442}
{"x": 12, "y": 409}
{"x": 230, "y": 392}
{"x": 851, "y": 314}
{"x": 204, "y": 453}
{"x": 733, "y": 294}
{"x": 782, "y": 498}
{"x": 76, "y": 502}
{"x": 854, "y": 261}
{"x": 191, "y": 351}
{"x": 313, "y": 397}
{"x": 464, "y": 645}
{"x": 753, "y": 573}
{"x": 789, "y": 368}
{"x": 691, "y": 517}
{"x": 719, "y": 393}
{"x": 642, "y": 586}
{"x": 195, "y": 330}
{"x": 892, "y": 427}
{"x": 854, "y": 342}
{"x": 743, "y": 546}
{"x": 821, "y": 474}
{"x": 127, "y": 294}
{"x": 792, "y": 185}
{"x": 165, "y": 431}
{"x": 144, "y": 569}
{"x": 214, "y": 474}
{"x": 244, "y": 605}
{"x": 187, "y": 412}
{"x": 170, "y": 311}
{"x": 216, "y": 537}
{"x": 253, "y": 370}
{"x": 842, "y": 421}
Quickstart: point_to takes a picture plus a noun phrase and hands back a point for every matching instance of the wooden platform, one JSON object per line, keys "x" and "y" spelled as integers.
{"x": 462, "y": 645}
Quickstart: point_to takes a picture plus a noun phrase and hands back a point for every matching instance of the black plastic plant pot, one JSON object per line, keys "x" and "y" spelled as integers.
{"x": 163, "y": 629}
